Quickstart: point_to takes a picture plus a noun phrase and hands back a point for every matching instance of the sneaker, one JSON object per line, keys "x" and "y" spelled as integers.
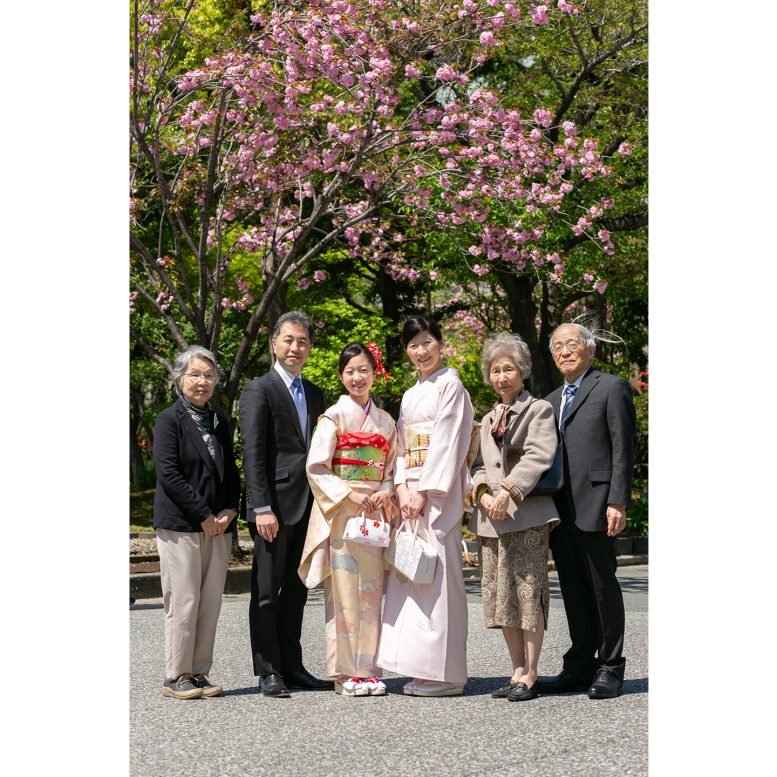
{"x": 351, "y": 686}
{"x": 375, "y": 686}
{"x": 208, "y": 689}
{"x": 182, "y": 688}
{"x": 436, "y": 688}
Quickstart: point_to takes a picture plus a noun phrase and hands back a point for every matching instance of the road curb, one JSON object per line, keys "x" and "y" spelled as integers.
{"x": 147, "y": 585}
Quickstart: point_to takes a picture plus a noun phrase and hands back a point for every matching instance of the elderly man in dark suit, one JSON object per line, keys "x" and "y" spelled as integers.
{"x": 278, "y": 412}
{"x": 596, "y": 417}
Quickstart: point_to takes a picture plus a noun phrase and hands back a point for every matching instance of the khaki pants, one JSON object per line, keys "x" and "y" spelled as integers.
{"x": 193, "y": 568}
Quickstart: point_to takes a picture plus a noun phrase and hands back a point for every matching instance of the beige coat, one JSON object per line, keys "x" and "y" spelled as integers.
{"x": 526, "y": 452}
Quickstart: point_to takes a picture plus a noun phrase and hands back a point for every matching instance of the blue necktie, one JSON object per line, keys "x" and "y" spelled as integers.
{"x": 569, "y": 393}
{"x": 299, "y": 402}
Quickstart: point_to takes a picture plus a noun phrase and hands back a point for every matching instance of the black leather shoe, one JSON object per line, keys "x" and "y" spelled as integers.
{"x": 606, "y": 685}
{"x": 272, "y": 685}
{"x": 302, "y": 680}
{"x": 561, "y": 683}
{"x": 522, "y": 692}
{"x": 501, "y": 693}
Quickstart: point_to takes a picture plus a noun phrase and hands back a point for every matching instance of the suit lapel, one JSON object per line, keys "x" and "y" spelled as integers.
{"x": 193, "y": 433}
{"x": 218, "y": 451}
{"x": 586, "y": 385}
{"x": 284, "y": 396}
{"x": 518, "y": 406}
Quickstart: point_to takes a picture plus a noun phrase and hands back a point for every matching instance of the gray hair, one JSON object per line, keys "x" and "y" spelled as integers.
{"x": 585, "y": 334}
{"x": 298, "y": 318}
{"x": 506, "y": 344}
{"x": 183, "y": 360}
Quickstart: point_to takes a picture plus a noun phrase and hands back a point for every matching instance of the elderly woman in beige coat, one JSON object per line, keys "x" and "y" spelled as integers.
{"x": 518, "y": 441}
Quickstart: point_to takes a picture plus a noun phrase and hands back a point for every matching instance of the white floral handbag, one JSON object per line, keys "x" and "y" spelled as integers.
{"x": 368, "y": 531}
{"x": 411, "y": 555}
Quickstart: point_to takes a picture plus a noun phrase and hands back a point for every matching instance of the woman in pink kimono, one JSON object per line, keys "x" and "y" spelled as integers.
{"x": 350, "y": 468}
{"x": 425, "y": 625}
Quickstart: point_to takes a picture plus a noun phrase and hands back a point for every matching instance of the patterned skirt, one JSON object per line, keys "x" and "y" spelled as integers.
{"x": 515, "y": 578}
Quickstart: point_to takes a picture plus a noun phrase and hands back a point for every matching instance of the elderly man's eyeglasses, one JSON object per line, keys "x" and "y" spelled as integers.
{"x": 195, "y": 376}
{"x": 571, "y": 345}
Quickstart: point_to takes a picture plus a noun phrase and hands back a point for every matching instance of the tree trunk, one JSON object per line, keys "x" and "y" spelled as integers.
{"x": 137, "y": 462}
{"x": 523, "y": 320}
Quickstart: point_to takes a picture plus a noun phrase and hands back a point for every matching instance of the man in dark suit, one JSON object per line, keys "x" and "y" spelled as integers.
{"x": 278, "y": 413}
{"x": 597, "y": 422}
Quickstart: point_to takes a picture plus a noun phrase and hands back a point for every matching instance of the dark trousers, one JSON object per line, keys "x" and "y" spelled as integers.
{"x": 278, "y": 599}
{"x": 593, "y": 600}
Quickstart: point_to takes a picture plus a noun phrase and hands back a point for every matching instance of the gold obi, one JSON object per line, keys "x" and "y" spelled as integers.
{"x": 417, "y": 439}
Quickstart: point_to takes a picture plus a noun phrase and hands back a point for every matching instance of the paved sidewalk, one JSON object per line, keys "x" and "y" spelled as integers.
{"x": 320, "y": 734}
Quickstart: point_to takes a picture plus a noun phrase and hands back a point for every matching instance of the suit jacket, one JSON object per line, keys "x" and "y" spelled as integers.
{"x": 598, "y": 449}
{"x": 525, "y": 453}
{"x": 274, "y": 450}
{"x": 190, "y": 484}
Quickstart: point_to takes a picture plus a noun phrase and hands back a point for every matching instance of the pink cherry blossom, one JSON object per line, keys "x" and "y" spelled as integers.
{"x": 539, "y": 14}
{"x": 446, "y": 73}
{"x": 543, "y": 117}
{"x": 318, "y": 123}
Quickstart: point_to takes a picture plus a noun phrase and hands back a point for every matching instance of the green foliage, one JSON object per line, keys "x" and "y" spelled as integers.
{"x": 141, "y": 507}
{"x": 341, "y": 325}
{"x": 637, "y": 515}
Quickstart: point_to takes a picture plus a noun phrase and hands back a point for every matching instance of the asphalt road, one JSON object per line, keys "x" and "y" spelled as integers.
{"x": 321, "y": 734}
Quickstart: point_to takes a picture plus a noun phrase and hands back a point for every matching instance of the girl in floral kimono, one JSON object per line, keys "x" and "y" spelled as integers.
{"x": 350, "y": 469}
{"x": 425, "y": 624}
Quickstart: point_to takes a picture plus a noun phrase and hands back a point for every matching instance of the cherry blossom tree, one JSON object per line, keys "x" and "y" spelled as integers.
{"x": 334, "y": 124}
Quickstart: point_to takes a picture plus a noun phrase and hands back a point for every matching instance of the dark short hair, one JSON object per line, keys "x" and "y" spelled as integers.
{"x": 351, "y": 350}
{"x": 417, "y": 324}
{"x": 298, "y": 318}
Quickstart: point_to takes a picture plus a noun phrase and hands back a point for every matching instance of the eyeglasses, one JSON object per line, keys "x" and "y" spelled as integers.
{"x": 196, "y": 376}
{"x": 571, "y": 345}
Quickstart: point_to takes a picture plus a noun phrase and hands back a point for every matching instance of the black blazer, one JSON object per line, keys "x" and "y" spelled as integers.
{"x": 598, "y": 449}
{"x": 190, "y": 485}
{"x": 274, "y": 450}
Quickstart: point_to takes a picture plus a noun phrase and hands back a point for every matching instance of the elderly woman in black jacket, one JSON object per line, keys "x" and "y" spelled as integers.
{"x": 195, "y": 504}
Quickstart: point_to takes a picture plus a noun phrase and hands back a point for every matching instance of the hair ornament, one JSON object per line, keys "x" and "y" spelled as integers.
{"x": 377, "y": 354}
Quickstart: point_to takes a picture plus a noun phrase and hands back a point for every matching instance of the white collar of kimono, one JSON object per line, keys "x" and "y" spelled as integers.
{"x": 434, "y": 375}
{"x": 366, "y": 408}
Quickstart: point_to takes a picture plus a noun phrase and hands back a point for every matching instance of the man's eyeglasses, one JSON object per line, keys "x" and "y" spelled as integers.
{"x": 572, "y": 345}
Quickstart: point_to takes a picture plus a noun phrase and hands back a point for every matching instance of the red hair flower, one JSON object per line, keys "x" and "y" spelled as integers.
{"x": 377, "y": 354}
